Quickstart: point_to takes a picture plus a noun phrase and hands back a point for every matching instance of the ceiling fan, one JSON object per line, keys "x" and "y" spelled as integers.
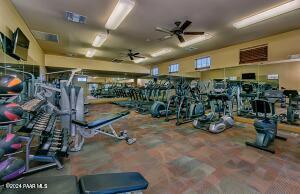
{"x": 178, "y": 31}
{"x": 133, "y": 55}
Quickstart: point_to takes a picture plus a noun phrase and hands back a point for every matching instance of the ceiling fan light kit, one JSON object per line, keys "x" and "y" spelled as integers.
{"x": 119, "y": 13}
{"x": 273, "y": 12}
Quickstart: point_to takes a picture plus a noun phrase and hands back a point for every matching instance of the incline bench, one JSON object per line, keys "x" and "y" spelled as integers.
{"x": 129, "y": 182}
{"x": 90, "y": 129}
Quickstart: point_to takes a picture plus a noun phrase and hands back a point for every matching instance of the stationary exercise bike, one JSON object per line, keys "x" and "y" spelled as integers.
{"x": 266, "y": 126}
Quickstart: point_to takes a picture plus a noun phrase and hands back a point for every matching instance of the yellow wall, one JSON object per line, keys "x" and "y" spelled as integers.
{"x": 70, "y": 62}
{"x": 280, "y": 46}
{"x": 99, "y": 80}
{"x": 10, "y": 20}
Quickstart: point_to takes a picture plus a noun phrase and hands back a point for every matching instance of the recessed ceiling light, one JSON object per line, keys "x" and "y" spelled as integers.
{"x": 201, "y": 38}
{"x": 161, "y": 52}
{"x": 273, "y": 12}
{"x": 140, "y": 60}
{"x": 120, "y": 12}
{"x": 99, "y": 40}
{"x": 90, "y": 53}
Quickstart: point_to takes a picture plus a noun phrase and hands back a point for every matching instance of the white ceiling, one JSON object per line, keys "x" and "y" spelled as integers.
{"x": 212, "y": 16}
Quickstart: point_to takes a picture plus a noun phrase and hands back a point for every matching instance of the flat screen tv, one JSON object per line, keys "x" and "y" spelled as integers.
{"x": 248, "y": 76}
{"x": 20, "y": 45}
{"x": 5, "y": 44}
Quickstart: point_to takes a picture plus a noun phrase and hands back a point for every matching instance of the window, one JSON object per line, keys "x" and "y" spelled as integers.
{"x": 154, "y": 71}
{"x": 254, "y": 54}
{"x": 203, "y": 63}
{"x": 174, "y": 68}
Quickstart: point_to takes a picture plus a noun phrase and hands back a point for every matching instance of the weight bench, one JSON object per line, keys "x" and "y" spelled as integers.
{"x": 88, "y": 130}
{"x": 129, "y": 182}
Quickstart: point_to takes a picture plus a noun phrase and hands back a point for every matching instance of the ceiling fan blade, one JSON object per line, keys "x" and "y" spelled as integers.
{"x": 166, "y": 37}
{"x": 163, "y": 30}
{"x": 136, "y": 54}
{"x": 185, "y": 25}
{"x": 193, "y": 33}
{"x": 181, "y": 39}
{"x": 141, "y": 57}
{"x": 131, "y": 58}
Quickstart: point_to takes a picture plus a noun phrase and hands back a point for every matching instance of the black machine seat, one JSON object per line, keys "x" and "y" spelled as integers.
{"x": 113, "y": 183}
{"x": 101, "y": 121}
{"x": 247, "y": 88}
{"x": 261, "y": 106}
{"x": 221, "y": 96}
{"x": 55, "y": 184}
{"x": 291, "y": 93}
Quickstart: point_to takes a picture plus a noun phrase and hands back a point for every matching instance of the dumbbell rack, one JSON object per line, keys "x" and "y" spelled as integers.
{"x": 41, "y": 124}
{"x": 41, "y": 128}
{"x": 33, "y": 105}
{"x": 55, "y": 144}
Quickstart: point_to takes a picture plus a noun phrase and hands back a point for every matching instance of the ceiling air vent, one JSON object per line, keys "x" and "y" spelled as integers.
{"x": 117, "y": 60}
{"x": 75, "y": 17}
{"x": 45, "y": 36}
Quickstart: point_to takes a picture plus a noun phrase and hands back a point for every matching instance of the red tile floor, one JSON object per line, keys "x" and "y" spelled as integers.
{"x": 184, "y": 160}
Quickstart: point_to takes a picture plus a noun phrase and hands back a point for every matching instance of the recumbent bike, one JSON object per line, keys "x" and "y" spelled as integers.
{"x": 265, "y": 126}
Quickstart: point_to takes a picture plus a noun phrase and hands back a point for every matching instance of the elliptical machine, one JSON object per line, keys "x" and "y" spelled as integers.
{"x": 220, "y": 101}
{"x": 266, "y": 126}
{"x": 212, "y": 122}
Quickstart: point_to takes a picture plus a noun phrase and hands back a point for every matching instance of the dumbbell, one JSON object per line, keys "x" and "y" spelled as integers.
{"x": 55, "y": 144}
{"x": 57, "y": 139}
{"x": 57, "y": 136}
{"x": 58, "y": 130}
{"x": 39, "y": 128}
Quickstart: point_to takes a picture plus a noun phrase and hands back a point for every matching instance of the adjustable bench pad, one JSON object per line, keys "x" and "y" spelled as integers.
{"x": 113, "y": 183}
{"x": 101, "y": 121}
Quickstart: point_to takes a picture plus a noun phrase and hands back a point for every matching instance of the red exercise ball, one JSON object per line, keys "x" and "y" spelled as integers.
{"x": 10, "y": 112}
{"x": 10, "y": 84}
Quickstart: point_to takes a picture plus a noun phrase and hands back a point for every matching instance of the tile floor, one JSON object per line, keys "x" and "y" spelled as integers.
{"x": 184, "y": 160}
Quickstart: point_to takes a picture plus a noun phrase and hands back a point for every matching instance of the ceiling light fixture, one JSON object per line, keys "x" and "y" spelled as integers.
{"x": 195, "y": 40}
{"x": 99, "y": 40}
{"x": 161, "y": 52}
{"x": 273, "y": 12}
{"x": 140, "y": 60}
{"x": 90, "y": 53}
{"x": 120, "y": 12}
